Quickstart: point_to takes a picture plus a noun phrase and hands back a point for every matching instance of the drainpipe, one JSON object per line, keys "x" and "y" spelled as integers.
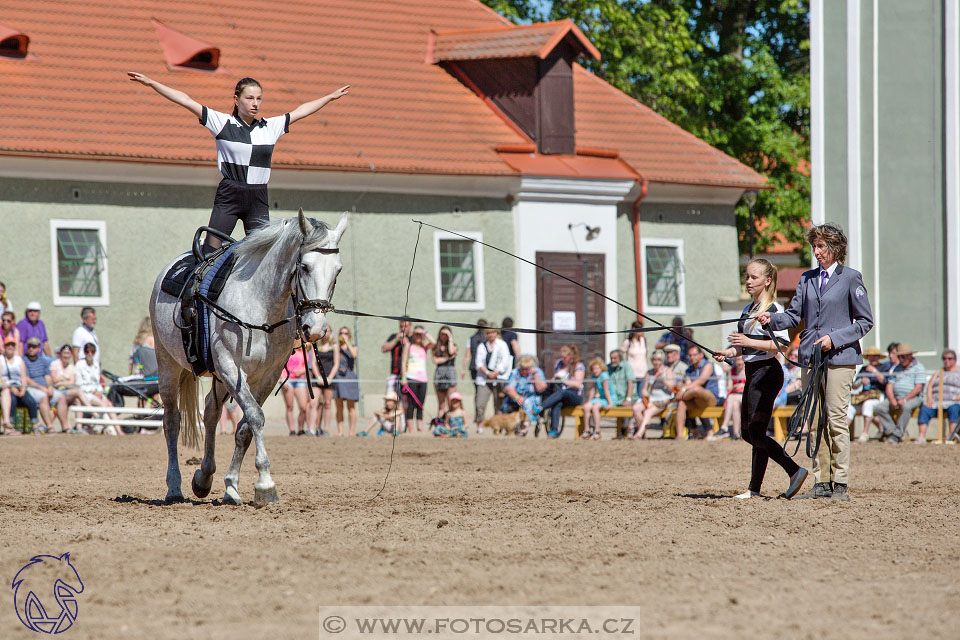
{"x": 636, "y": 244}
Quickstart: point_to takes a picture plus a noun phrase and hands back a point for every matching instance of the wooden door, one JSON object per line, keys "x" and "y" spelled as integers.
{"x": 571, "y": 305}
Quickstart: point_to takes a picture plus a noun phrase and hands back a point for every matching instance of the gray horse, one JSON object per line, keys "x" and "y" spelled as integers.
{"x": 285, "y": 257}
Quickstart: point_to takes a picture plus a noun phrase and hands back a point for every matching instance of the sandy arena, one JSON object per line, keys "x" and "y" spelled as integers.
{"x": 486, "y": 521}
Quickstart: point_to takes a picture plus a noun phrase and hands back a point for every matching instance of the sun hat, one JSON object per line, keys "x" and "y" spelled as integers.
{"x": 9, "y": 340}
{"x": 874, "y": 351}
{"x": 672, "y": 347}
{"x": 390, "y": 395}
{"x": 33, "y": 306}
{"x": 35, "y": 341}
{"x": 455, "y": 396}
{"x": 904, "y": 349}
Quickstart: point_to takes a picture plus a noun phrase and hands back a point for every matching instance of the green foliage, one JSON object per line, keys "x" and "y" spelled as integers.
{"x": 735, "y": 73}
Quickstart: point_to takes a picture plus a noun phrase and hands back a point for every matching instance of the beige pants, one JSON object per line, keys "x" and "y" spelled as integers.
{"x": 832, "y": 463}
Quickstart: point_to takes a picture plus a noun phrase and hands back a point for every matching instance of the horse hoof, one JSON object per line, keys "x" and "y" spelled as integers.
{"x": 174, "y": 498}
{"x": 265, "y": 496}
{"x": 201, "y": 484}
{"x": 231, "y": 496}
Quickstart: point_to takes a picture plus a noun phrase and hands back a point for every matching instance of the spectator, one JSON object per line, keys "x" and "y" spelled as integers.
{"x": 40, "y": 386}
{"x": 493, "y": 364}
{"x": 347, "y": 389}
{"x": 5, "y": 304}
{"x": 510, "y": 337}
{"x": 8, "y": 329}
{"x": 904, "y": 386}
{"x": 230, "y": 411}
{"x": 524, "y": 390}
{"x": 568, "y": 375}
{"x": 792, "y": 385}
{"x": 88, "y": 378}
{"x": 14, "y": 387}
{"x": 679, "y": 336}
{"x": 730, "y": 427}
{"x": 634, "y": 347}
{"x": 946, "y": 388}
{"x": 657, "y": 392}
{"x": 390, "y": 418}
{"x": 868, "y": 389}
{"x": 323, "y": 401}
{"x": 32, "y": 327}
{"x": 892, "y": 358}
{"x": 413, "y": 375}
{"x": 63, "y": 376}
{"x": 394, "y": 346}
{"x": 599, "y": 396}
{"x": 622, "y": 378}
{"x": 700, "y": 390}
{"x": 674, "y": 362}
{"x": 475, "y": 340}
{"x": 444, "y": 355}
{"x": 294, "y": 391}
{"x": 85, "y": 334}
{"x": 143, "y": 381}
{"x": 454, "y": 424}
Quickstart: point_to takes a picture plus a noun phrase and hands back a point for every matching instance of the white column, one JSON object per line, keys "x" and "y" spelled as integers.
{"x": 952, "y": 162}
{"x": 854, "y": 227}
{"x": 875, "y": 120}
{"x": 816, "y": 112}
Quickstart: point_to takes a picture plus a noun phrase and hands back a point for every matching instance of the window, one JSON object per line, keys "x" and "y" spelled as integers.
{"x": 79, "y": 261}
{"x": 662, "y": 272}
{"x": 458, "y": 271}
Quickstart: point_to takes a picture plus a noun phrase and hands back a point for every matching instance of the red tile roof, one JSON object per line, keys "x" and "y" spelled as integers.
{"x": 71, "y": 97}
{"x": 510, "y": 41}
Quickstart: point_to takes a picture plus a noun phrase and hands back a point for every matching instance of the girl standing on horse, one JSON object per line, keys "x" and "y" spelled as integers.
{"x": 244, "y": 149}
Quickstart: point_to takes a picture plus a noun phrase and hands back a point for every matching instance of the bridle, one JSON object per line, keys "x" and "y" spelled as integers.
{"x": 302, "y": 304}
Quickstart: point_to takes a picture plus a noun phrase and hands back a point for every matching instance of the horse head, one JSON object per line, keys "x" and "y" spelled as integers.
{"x": 315, "y": 276}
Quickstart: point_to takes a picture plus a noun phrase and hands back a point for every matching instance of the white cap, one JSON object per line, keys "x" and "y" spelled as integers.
{"x": 33, "y": 306}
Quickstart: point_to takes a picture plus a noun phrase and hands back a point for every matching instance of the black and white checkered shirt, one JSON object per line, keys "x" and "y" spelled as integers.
{"x": 244, "y": 152}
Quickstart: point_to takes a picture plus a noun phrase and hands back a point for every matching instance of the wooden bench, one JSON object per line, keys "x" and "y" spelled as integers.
{"x": 623, "y": 415}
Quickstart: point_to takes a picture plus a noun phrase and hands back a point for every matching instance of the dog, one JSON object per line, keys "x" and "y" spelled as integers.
{"x": 505, "y": 423}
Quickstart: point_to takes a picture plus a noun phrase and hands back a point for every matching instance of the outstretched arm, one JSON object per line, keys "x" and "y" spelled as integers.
{"x": 173, "y": 95}
{"x": 309, "y": 108}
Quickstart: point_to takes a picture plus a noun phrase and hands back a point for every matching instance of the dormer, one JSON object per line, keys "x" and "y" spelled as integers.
{"x": 182, "y": 50}
{"x": 13, "y": 43}
{"x": 525, "y": 70}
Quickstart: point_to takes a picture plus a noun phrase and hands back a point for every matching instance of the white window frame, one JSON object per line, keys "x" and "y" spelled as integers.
{"x": 676, "y": 243}
{"x": 480, "y": 303}
{"x": 74, "y": 301}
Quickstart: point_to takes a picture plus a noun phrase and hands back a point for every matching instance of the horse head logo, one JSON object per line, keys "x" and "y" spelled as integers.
{"x": 45, "y": 593}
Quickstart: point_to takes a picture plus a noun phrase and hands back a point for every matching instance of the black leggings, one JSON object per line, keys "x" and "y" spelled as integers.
{"x": 764, "y": 381}
{"x": 419, "y": 390}
{"x": 235, "y": 201}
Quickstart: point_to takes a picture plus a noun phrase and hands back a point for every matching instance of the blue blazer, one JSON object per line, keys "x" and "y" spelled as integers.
{"x": 841, "y": 312}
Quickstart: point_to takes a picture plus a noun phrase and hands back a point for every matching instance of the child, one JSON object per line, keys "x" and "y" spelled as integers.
{"x": 389, "y": 419}
{"x": 599, "y": 396}
{"x": 455, "y": 425}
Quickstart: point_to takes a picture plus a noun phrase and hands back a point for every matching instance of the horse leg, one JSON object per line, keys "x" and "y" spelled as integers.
{"x": 265, "y": 491}
{"x": 203, "y": 477}
{"x": 169, "y": 391}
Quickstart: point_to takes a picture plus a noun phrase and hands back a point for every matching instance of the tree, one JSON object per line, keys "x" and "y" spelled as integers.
{"x": 735, "y": 73}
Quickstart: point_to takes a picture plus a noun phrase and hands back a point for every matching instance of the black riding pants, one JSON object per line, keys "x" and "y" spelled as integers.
{"x": 238, "y": 201}
{"x": 764, "y": 381}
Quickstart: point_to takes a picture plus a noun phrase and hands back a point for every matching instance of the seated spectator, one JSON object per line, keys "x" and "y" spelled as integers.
{"x": 88, "y": 379}
{"x": 8, "y": 329}
{"x": 622, "y": 378}
{"x": 40, "y": 386}
{"x": 143, "y": 381}
{"x": 454, "y": 421}
{"x": 700, "y": 390}
{"x": 868, "y": 390}
{"x": 679, "y": 336}
{"x": 63, "y": 377}
{"x": 792, "y": 386}
{"x": 730, "y": 427}
{"x": 599, "y": 395}
{"x": 674, "y": 362}
{"x": 946, "y": 388}
{"x": 13, "y": 387}
{"x": 390, "y": 419}
{"x": 32, "y": 327}
{"x": 568, "y": 374}
{"x": 657, "y": 392}
{"x": 524, "y": 390}
{"x": 904, "y": 386}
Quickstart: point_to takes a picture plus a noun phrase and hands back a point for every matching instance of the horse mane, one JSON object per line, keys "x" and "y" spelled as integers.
{"x": 281, "y": 232}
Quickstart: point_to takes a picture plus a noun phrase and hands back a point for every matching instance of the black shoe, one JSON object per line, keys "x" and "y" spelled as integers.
{"x": 840, "y": 493}
{"x": 819, "y": 490}
{"x": 796, "y": 481}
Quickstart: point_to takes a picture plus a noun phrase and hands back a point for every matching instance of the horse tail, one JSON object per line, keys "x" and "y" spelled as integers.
{"x": 191, "y": 424}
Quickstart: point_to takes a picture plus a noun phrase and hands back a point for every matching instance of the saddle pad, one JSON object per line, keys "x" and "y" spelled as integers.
{"x": 211, "y": 286}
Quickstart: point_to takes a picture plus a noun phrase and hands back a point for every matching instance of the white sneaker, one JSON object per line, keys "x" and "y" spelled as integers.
{"x": 920, "y": 441}
{"x": 748, "y": 494}
{"x": 863, "y": 437}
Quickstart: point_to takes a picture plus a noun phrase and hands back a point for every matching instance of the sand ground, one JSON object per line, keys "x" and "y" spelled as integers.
{"x": 486, "y": 521}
